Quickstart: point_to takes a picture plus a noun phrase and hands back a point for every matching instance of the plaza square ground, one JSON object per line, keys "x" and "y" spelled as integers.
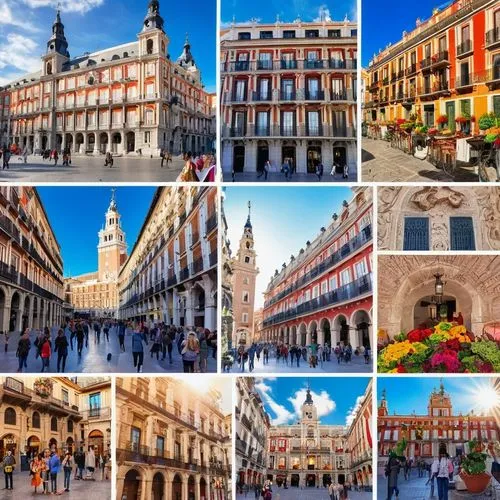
{"x": 304, "y": 494}
{"x": 98, "y": 489}
{"x": 299, "y": 177}
{"x": 383, "y": 163}
{"x": 91, "y": 169}
{"x": 94, "y": 357}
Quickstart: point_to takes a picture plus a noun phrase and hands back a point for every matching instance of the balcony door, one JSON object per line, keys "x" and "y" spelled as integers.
{"x": 264, "y": 89}
{"x": 240, "y": 90}
{"x": 262, "y": 123}
{"x": 313, "y": 88}
{"x": 339, "y": 124}
{"x": 265, "y": 61}
{"x": 450, "y": 113}
{"x": 313, "y": 123}
{"x": 288, "y": 123}
{"x": 135, "y": 438}
{"x": 287, "y": 88}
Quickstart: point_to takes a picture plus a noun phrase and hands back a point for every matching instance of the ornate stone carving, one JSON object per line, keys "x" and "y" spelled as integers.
{"x": 489, "y": 202}
{"x": 428, "y": 197}
{"x": 387, "y": 197}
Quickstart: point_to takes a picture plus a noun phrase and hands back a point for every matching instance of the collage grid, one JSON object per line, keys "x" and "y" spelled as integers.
{"x": 363, "y": 365}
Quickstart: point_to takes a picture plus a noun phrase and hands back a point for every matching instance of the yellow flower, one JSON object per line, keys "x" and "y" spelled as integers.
{"x": 396, "y": 351}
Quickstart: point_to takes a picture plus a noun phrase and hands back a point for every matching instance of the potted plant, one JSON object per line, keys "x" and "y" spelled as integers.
{"x": 473, "y": 472}
{"x": 441, "y": 121}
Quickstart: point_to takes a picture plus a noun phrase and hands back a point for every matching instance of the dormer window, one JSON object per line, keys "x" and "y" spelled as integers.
{"x": 244, "y": 35}
{"x": 312, "y": 33}
{"x": 266, "y": 34}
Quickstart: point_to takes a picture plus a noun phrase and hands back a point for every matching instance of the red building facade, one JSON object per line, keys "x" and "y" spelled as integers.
{"x": 325, "y": 293}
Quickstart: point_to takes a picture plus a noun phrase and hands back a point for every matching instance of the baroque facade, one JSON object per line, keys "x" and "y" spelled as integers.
{"x": 288, "y": 92}
{"x": 252, "y": 428}
{"x": 448, "y": 65}
{"x": 439, "y": 218}
{"x": 325, "y": 292}
{"x": 171, "y": 441}
{"x": 96, "y": 293}
{"x": 244, "y": 274}
{"x": 407, "y": 284}
{"x": 426, "y": 434}
{"x": 226, "y": 284}
{"x": 57, "y": 413}
{"x": 127, "y": 99}
{"x": 31, "y": 267}
{"x": 171, "y": 273}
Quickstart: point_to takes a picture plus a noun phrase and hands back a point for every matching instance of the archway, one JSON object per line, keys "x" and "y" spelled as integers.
{"x": 203, "y": 489}
{"x": 288, "y": 152}
{"x": 325, "y": 329}
{"x": 313, "y": 332}
{"x": 362, "y": 323}
{"x": 78, "y": 142}
{"x": 45, "y": 140}
{"x": 34, "y": 446}
{"x": 35, "y": 312}
{"x": 96, "y": 439}
{"x": 341, "y": 478}
{"x": 116, "y": 139}
{"x": 302, "y": 334}
{"x": 158, "y": 486}
{"x": 427, "y": 313}
{"x": 191, "y": 488}
{"x": 311, "y": 480}
{"x": 130, "y": 142}
{"x": 313, "y": 156}
{"x": 176, "y": 488}
{"x": 14, "y": 311}
{"x": 238, "y": 158}
{"x": 295, "y": 480}
{"x": 58, "y": 142}
{"x": 131, "y": 485}
{"x": 340, "y": 155}
{"x": 327, "y": 479}
{"x": 8, "y": 442}
{"x": 293, "y": 335}
{"x": 91, "y": 142}
{"x": 262, "y": 154}
{"x": 103, "y": 140}
{"x": 68, "y": 139}
{"x": 341, "y": 327}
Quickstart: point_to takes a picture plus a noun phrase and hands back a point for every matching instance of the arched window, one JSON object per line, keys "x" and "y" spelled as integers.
{"x": 70, "y": 425}
{"x": 53, "y": 424}
{"x": 49, "y": 68}
{"x": 35, "y": 420}
{"x": 149, "y": 46}
{"x": 10, "y": 416}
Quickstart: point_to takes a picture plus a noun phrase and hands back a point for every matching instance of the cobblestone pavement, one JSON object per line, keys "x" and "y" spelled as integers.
{"x": 416, "y": 489}
{"x": 279, "y": 177}
{"x": 91, "y": 169}
{"x": 304, "y": 494}
{"x": 94, "y": 357}
{"x": 356, "y": 365}
{"x": 382, "y": 163}
{"x": 97, "y": 489}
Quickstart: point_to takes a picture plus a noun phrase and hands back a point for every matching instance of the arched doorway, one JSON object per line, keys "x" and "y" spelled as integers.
{"x": 116, "y": 139}
{"x": 302, "y": 334}
{"x": 191, "y": 488}
{"x": 262, "y": 154}
{"x": 34, "y": 446}
{"x": 311, "y": 480}
{"x": 58, "y": 142}
{"x": 362, "y": 321}
{"x": 427, "y": 313}
{"x": 96, "y": 439}
{"x": 176, "y": 488}
{"x": 325, "y": 328}
{"x": 8, "y": 443}
{"x": 341, "y": 478}
{"x": 327, "y": 479}
{"x": 78, "y": 143}
{"x": 288, "y": 152}
{"x": 35, "y": 312}
{"x": 131, "y": 485}
{"x": 103, "y": 140}
{"x": 203, "y": 489}
{"x": 158, "y": 486}
{"x": 26, "y": 314}
{"x": 69, "y": 142}
{"x": 130, "y": 142}
{"x": 340, "y": 155}
{"x": 313, "y": 330}
{"x": 341, "y": 326}
{"x": 44, "y": 142}
{"x": 14, "y": 311}
{"x": 295, "y": 480}
{"x": 238, "y": 158}
{"x": 91, "y": 142}
{"x": 313, "y": 156}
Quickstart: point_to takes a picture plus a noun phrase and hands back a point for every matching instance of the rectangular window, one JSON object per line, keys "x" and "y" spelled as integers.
{"x": 65, "y": 396}
{"x": 450, "y": 113}
{"x": 287, "y": 123}
{"x": 266, "y": 34}
{"x": 262, "y": 123}
{"x": 462, "y": 233}
{"x": 160, "y": 446}
{"x": 289, "y": 34}
{"x": 135, "y": 438}
{"x": 333, "y": 33}
{"x": 94, "y": 404}
{"x": 496, "y": 105}
{"x": 360, "y": 269}
{"x": 429, "y": 115}
{"x": 333, "y": 283}
{"x": 345, "y": 277}
{"x": 244, "y": 35}
{"x": 324, "y": 287}
{"x": 313, "y": 123}
{"x": 315, "y": 291}
{"x": 240, "y": 91}
{"x": 265, "y": 61}
{"x": 312, "y": 33}
{"x": 416, "y": 233}
{"x": 244, "y": 318}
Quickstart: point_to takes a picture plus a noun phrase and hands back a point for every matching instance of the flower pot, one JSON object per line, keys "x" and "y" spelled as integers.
{"x": 476, "y": 483}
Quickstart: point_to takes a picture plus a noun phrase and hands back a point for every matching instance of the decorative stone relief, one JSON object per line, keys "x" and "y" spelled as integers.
{"x": 489, "y": 202}
{"x": 428, "y": 197}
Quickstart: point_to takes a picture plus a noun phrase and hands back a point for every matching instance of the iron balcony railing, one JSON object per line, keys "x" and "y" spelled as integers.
{"x": 288, "y": 64}
{"x": 282, "y": 64}
{"x": 261, "y": 96}
{"x": 287, "y": 95}
{"x": 435, "y": 88}
{"x": 265, "y": 65}
{"x": 411, "y": 70}
{"x": 464, "y": 47}
{"x": 313, "y": 64}
{"x": 315, "y": 95}
{"x": 354, "y": 244}
{"x": 135, "y": 452}
{"x": 425, "y": 63}
{"x": 357, "y": 288}
{"x": 440, "y": 58}
{"x": 493, "y": 37}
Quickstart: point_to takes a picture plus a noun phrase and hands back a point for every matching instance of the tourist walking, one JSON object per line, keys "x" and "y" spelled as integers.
{"x": 167, "y": 345}
{"x": 202, "y": 339}
{"x": 61, "y": 347}
{"x": 445, "y": 468}
{"x": 121, "y": 336}
{"x": 8, "y": 464}
{"x": 433, "y": 474}
{"x": 392, "y": 472}
{"x": 54, "y": 465}
{"x": 90, "y": 463}
{"x": 23, "y": 349}
{"x": 67, "y": 464}
{"x": 45, "y": 350}
{"x": 189, "y": 352}
{"x": 6, "y": 158}
{"x": 138, "y": 338}
{"x": 320, "y": 170}
{"x": 80, "y": 337}
{"x": 37, "y": 468}
{"x": 285, "y": 168}
{"x": 108, "y": 159}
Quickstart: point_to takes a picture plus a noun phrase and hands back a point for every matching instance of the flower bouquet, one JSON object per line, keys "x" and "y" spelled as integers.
{"x": 446, "y": 348}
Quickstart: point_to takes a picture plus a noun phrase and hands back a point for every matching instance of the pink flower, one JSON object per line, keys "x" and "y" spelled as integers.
{"x": 446, "y": 359}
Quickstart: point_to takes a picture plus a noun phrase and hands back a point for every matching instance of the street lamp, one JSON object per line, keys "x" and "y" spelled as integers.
{"x": 438, "y": 288}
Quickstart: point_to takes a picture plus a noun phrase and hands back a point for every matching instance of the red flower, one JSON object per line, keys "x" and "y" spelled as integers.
{"x": 447, "y": 360}
{"x": 453, "y": 344}
{"x": 486, "y": 367}
{"x": 401, "y": 369}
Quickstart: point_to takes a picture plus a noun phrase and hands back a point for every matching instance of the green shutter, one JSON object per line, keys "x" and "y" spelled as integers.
{"x": 465, "y": 107}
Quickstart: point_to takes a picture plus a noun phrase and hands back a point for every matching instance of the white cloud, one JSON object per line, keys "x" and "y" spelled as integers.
{"x": 351, "y": 415}
{"x": 323, "y": 14}
{"x": 324, "y": 404}
{"x": 80, "y": 6}
{"x": 8, "y": 18}
{"x": 17, "y": 52}
{"x": 281, "y": 414}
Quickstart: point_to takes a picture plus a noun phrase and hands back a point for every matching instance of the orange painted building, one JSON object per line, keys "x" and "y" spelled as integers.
{"x": 449, "y": 65}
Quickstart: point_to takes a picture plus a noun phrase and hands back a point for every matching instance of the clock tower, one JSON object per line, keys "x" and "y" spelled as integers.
{"x": 112, "y": 248}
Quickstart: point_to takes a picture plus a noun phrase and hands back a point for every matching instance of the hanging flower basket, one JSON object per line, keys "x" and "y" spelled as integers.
{"x": 43, "y": 387}
{"x": 442, "y": 119}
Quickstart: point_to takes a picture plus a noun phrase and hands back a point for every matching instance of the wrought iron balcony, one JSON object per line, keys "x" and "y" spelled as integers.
{"x": 287, "y": 95}
{"x": 315, "y": 95}
{"x": 264, "y": 65}
{"x": 288, "y": 64}
{"x": 493, "y": 38}
{"x": 237, "y": 132}
{"x": 261, "y": 96}
{"x": 288, "y": 131}
{"x": 313, "y": 64}
{"x": 440, "y": 59}
{"x": 425, "y": 64}
{"x": 411, "y": 70}
{"x": 464, "y": 48}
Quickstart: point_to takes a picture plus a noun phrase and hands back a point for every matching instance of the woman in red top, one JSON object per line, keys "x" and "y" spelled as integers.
{"x": 45, "y": 351}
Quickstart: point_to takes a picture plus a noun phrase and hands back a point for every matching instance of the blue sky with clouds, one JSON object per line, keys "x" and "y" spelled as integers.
{"x": 283, "y": 219}
{"x": 336, "y": 399}
{"x": 91, "y": 25}
{"x": 267, "y": 10}
{"x": 76, "y": 215}
{"x": 408, "y": 394}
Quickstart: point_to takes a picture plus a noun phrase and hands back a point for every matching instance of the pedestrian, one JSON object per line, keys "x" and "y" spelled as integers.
{"x": 55, "y": 156}
{"x": 46, "y": 471}
{"x": 6, "y": 158}
{"x": 86, "y": 331}
{"x": 190, "y": 351}
{"x": 25, "y": 155}
{"x": 265, "y": 170}
{"x": 285, "y": 169}
{"x": 6, "y": 341}
{"x": 319, "y": 170}
{"x": 188, "y": 173}
{"x": 37, "y": 468}
{"x": 61, "y": 347}
{"x": 45, "y": 350}
{"x": 108, "y": 161}
{"x": 445, "y": 468}
{"x": 80, "y": 336}
{"x": 162, "y": 156}
{"x": 23, "y": 349}
{"x": 138, "y": 338}
{"x": 202, "y": 339}
{"x": 67, "y": 464}
{"x": 54, "y": 465}
{"x": 80, "y": 463}
{"x": 157, "y": 344}
{"x": 392, "y": 469}
{"x": 8, "y": 464}
{"x": 167, "y": 345}
{"x": 346, "y": 171}
{"x": 433, "y": 472}
{"x": 106, "y": 331}
{"x": 121, "y": 336}
{"x": 90, "y": 463}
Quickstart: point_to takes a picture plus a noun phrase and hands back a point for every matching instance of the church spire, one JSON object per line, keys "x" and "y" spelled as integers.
{"x": 153, "y": 19}
{"x": 249, "y": 223}
{"x": 112, "y": 204}
{"x": 186, "y": 58}
{"x": 309, "y": 399}
{"x": 57, "y": 42}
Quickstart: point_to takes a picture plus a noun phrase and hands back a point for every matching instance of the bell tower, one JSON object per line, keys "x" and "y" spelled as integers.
{"x": 152, "y": 38}
{"x": 57, "y": 49}
{"x": 112, "y": 248}
{"x": 309, "y": 411}
{"x": 440, "y": 403}
{"x": 245, "y": 273}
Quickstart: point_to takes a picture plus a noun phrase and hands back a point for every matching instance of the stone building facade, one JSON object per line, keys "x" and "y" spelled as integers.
{"x": 288, "y": 92}
{"x": 226, "y": 285}
{"x": 244, "y": 274}
{"x": 129, "y": 99}
{"x": 252, "y": 428}
{"x": 171, "y": 441}
{"x": 57, "y": 413}
{"x": 96, "y": 293}
{"x": 438, "y": 218}
{"x": 171, "y": 273}
{"x": 427, "y": 433}
{"x": 31, "y": 267}
{"x": 325, "y": 291}
{"x": 406, "y": 287}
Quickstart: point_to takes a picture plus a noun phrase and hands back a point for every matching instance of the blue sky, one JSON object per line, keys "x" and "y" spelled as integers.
{"x": 283, "y": 219}
{"x": 406, "y": 394}
{"x": 403, "y": 16}
{"x": 336, "y": 399}
{"x": 267, "y": 10}
{"x": 77, "y": 214}
{"x": 92, "y": 25}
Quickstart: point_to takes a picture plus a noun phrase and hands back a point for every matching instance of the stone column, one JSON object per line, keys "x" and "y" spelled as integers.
{"x": 175, "y": 308}
{"x": 227, "y": 156}
{"x": 301, "y": 160}
{"x": 210, "y": 304}
{"x": 250, "y": 156}
{"x": 97, "y": 143}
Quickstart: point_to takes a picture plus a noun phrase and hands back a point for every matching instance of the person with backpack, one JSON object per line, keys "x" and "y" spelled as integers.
{"x": 67, "y": 464}
{"x": 157, "y": 344}
{"x": 167, "y": 344}
{"x": 8, "y": 464}
{"x": 61, "y": 347}
{"x": 190, "y": 351}
{"x": 23, "y": 349}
